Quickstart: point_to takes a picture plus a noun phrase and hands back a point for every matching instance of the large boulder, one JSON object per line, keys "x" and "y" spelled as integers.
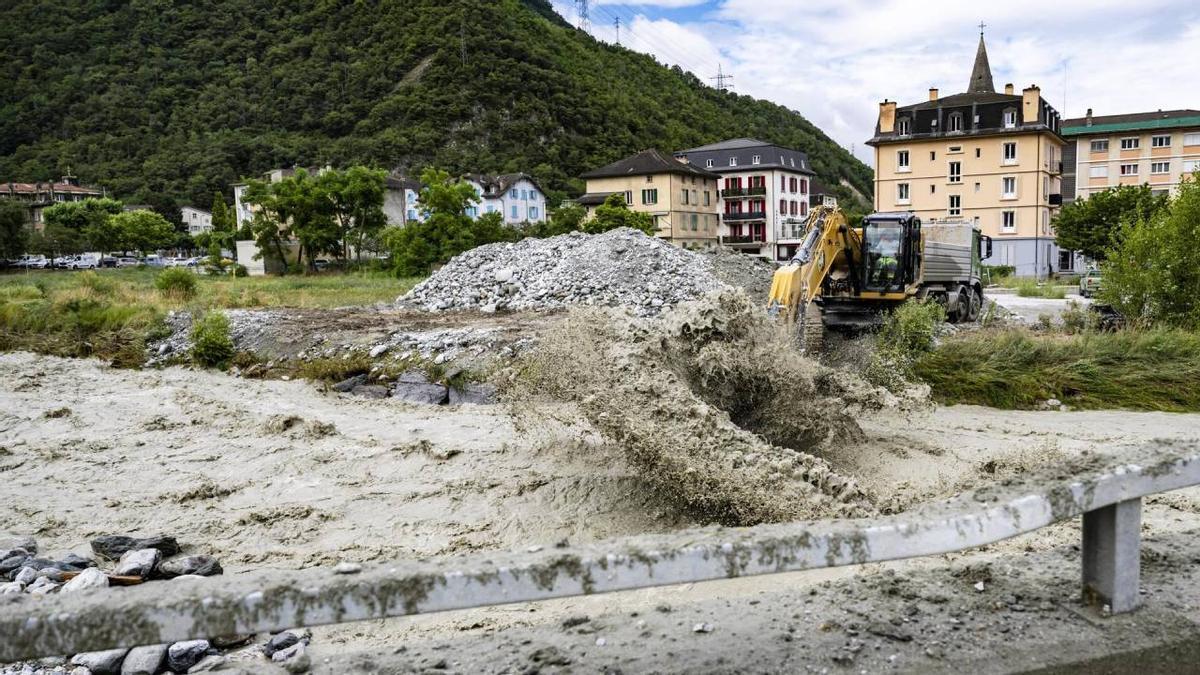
{"x": 101, "y": 663}
{"x": 86, "y": 580}
{"x": 144, "y": 660}
{"x": 184, "y": 655}
{"x": 200, "y": 565}
{"x": 475, "y": 394}
{"x": 113, "y": 546}
{"x": 139, "y": 563}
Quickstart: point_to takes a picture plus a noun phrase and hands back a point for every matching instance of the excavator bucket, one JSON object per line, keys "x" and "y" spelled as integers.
{"x": 786, "y": 287}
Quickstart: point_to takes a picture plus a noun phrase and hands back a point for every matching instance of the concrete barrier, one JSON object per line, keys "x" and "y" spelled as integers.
{"x": 1107, "y": 492}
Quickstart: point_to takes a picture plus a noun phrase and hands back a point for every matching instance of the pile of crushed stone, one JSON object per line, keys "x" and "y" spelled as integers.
{"x": 619, "y": 268}
{"x": 713, "y": 406}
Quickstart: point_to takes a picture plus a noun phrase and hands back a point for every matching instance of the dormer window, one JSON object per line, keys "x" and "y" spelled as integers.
{"x": 709, "y": 164}
{"x": 756, "y": 159}
{"x": 956, "y": 122}
{"x": 733, "y": 161}
{"x": 1010, "y": 119}
{"x": 904, "y": 126}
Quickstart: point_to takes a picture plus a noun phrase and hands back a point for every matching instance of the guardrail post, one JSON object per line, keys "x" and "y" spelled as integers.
{"x": 1111, "y": 546}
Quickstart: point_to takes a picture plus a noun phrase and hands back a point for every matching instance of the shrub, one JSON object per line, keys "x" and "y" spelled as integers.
{"x": 1078, "y": 319}
{"x": 90, "y": 280}
{"x": 907, "y": 333}
{"x": 212, "y": 346}
{"x": 998, "y": 272}
{"x": 240, "y": 271}
{"x": 176, "y": 283}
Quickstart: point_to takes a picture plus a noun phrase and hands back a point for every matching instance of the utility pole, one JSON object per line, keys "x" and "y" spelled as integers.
{"x": 581, "y": 8}
{"x": 617, "y": 25}
{"x": 724, "y": 82}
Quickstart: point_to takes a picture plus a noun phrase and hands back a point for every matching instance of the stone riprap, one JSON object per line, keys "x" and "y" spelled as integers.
{"x": 620, "y": 268}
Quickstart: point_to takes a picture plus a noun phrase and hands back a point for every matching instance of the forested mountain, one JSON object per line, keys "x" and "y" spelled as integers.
{"x": 184, "y": 97}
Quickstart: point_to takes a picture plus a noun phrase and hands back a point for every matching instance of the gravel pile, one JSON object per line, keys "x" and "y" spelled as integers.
{"x": 618, "y": 268}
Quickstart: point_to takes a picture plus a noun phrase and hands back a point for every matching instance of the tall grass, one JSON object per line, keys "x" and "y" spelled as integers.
{"x": 112, "y": 313}
{"x": 1028, "y": 288}
{"x": 1133, "y": 369}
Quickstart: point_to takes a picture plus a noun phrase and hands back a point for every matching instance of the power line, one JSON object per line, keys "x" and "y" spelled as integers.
{"x": 668, "y": 49}
{"x": 676, "y": 49}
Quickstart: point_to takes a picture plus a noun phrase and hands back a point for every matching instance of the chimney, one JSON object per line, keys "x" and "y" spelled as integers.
{"x": 1089, "y": 117}
{"x": 1008, "y": 89}
{"x": 887, "y": 116}
{"x": 933, "y": 93}
{"x": 1031, "y": 105}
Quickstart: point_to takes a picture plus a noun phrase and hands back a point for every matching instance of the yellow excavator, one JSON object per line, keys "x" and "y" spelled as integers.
{"x": 845, "y": 277}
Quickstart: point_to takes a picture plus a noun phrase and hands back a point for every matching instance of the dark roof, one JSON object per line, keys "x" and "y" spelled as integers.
{"x": 593, "y": 198}
{"x": 496, "y": 186}
{"x": 401, "y": 182}
{"x": 744, "y": 150}
{"x": 965, "y": 99}
{"x": 647, "y": 162}
{"x": 981, "y": 73}
{"x": 1159, "y": 119}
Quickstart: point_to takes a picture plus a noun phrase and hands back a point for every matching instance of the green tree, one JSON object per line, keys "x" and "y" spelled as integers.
{"x": 14, "y": 232}
{"x": 1153, "y": 274}
{"x": 293, "y": 208}
{"x": 72, "y": 226}
{"x": 613, "y": 213}
{"x": 1094, "y": 225}
{"x": 145, "y": 231}
{"x": 564, "y": 219}
{"x": 222, "y": 223}
{"x": 355, "y": 198}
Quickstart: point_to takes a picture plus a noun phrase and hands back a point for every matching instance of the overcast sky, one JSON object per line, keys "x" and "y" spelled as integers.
{"x": 834, "y": 60}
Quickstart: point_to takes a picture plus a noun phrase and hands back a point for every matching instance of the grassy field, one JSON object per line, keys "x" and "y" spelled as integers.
{"x": 111, "y": 313}
{"x": 1129, "y": 369}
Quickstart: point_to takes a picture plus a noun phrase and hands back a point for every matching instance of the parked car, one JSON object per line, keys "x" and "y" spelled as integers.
{"x": 33, "y": 262}
{"x": 128, "y": 261}
{"x": 86, "y": 261}
{"x": 108, "y": 261}
{"x": 154, "y": 261}
{"x": 1089, "y": 283}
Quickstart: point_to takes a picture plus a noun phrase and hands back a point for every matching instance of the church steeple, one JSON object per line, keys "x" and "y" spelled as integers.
{"x": 981, "y": 74}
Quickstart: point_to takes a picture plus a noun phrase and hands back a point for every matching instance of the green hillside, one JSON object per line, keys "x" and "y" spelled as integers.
{"x": 184, "y": 97}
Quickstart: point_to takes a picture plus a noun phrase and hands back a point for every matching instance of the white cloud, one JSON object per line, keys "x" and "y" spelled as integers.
{"x": 834, "y": 60}
{"x": 669, "y": 4}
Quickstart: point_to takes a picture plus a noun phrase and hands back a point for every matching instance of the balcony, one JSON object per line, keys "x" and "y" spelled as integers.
{"x": 743, "y": 217}
{"x": 791, "y": 233}
{"x": 734, "y": 193}
{"x": 744, "y": 239}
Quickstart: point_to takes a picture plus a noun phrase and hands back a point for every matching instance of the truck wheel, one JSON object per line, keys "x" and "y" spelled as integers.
{"x": 962, "y": 307}
{"x": 976, "y": 305}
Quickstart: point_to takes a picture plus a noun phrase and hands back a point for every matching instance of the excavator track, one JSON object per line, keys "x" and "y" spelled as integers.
{"x": 810, "y": 328}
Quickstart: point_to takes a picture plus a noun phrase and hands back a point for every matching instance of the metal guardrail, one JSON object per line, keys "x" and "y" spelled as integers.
{"x": 1108, "y": 498}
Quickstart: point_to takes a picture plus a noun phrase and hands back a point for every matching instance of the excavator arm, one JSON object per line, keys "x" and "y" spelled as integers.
{"x": 828, "y": 243}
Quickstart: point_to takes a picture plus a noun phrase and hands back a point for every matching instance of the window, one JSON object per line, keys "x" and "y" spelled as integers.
{"x": 904, "y": 127}
{"x": 684, "y": 196}
{"x": 1008, "y": 221}
{"x": 1098, "y": 172}
{"x": 1191, "y": 139}
{"x": 1008, "y": 187}
{"x": 955, "y": 205}
{"x": 804, "y": 185}
{"x": 629, "y": 197}
{"x": 757, "y": 159}
{"x": 515, "y": 212}
{"x": 783, "y": 206}
{"x": 694, "y": 200}
{"x": 1129, "y": 169}
{"x": 649, "y": 179}
{"x": 1010, "y": 119}
{"x": 954, "y": 149}
{"x": 932, "y": 189}
{"x": 707, "y": 198}
{"x": 533, "y": 213}
{"x": 695, "y": 220}
{"x": 977, "y": 188}
{"x": 795, "y": 208}
{"x": 709, "y": 164}
{"x": 1191, "y": 165}
{"x": 978, "y": 153}
{"x": 1100, "y": 146}
{"x": 1160, "y": 167}
{"x": 733, "y": 161}
{"x": 514, "y": 193}
{"x": 793, "y": 161}
{"x": 902, "y": 193}
{"x": 932, "y": 155}
{"x": 956, "y": 122}
{"x": 650, "y": 196}
{"x": 902, "y": 161}
{"x": 1160, "y": 141}
{"x": 792, "y": 185}
{"x": 1010, "y": 153}
{"x": 955, "y": 172}
{"x": 1130, "y": 143}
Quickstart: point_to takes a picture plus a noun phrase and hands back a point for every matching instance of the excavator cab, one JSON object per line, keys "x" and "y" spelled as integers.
{"x": 891, "y": 252}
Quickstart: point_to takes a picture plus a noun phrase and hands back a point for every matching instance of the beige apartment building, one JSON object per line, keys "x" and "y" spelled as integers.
{"x": 681, "y": 197}
{"x": 982, "y": 156}
{"x": 1155, "y": 148}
